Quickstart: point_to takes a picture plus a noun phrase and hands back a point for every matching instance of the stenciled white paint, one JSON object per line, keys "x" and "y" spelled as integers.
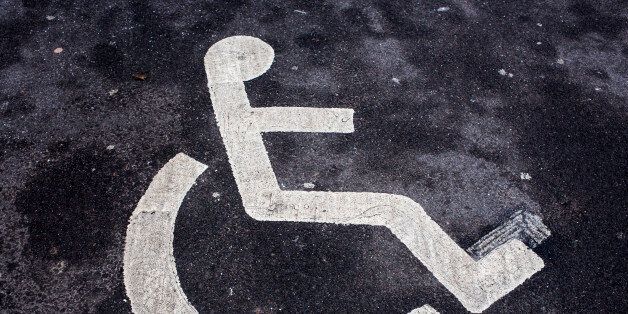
{"x": 150, "y": 274}
{"x": 425, "y": 309}
{"x": 234, "y": 60}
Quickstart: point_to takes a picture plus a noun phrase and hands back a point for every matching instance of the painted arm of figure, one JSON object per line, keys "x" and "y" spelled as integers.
{"x": 302, "y": 119}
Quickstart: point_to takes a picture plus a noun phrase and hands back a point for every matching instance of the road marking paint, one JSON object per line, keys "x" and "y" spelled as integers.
{"x": 425, "y": 309}
{"x": 230, "y": 62}
{"x": 150, "y": 273}
{"x": 300, "y": 119}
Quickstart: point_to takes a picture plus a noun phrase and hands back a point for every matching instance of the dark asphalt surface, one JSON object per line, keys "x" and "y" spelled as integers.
{"x": 437, "y": 119}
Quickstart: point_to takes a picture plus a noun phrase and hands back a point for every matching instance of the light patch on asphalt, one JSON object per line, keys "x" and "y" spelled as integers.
{"x": 230, "y": 62}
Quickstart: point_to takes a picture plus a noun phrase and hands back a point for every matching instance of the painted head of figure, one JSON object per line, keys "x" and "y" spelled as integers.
{"x": 237, "y": 59}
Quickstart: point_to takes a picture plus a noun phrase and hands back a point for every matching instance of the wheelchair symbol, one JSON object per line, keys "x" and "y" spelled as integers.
{"x": 149, "y": 268}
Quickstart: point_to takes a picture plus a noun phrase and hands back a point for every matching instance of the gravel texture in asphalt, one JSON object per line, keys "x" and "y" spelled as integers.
{"x": 475, "y": 109}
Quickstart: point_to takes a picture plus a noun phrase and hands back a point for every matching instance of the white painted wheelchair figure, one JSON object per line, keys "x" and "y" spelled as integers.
{"x": 234, "y": 60}
{"x": 150, "y": 275}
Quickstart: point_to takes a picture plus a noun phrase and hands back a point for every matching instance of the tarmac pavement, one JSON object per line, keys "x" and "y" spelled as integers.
{"x": 477, "y": 111}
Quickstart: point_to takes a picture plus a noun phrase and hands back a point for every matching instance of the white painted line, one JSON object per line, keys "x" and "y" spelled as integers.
{"x": 476, "y": 284}
{"x": 150, "y": 274}
{"x": 300, "y": 119}
{"x": 425, "y": 309}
